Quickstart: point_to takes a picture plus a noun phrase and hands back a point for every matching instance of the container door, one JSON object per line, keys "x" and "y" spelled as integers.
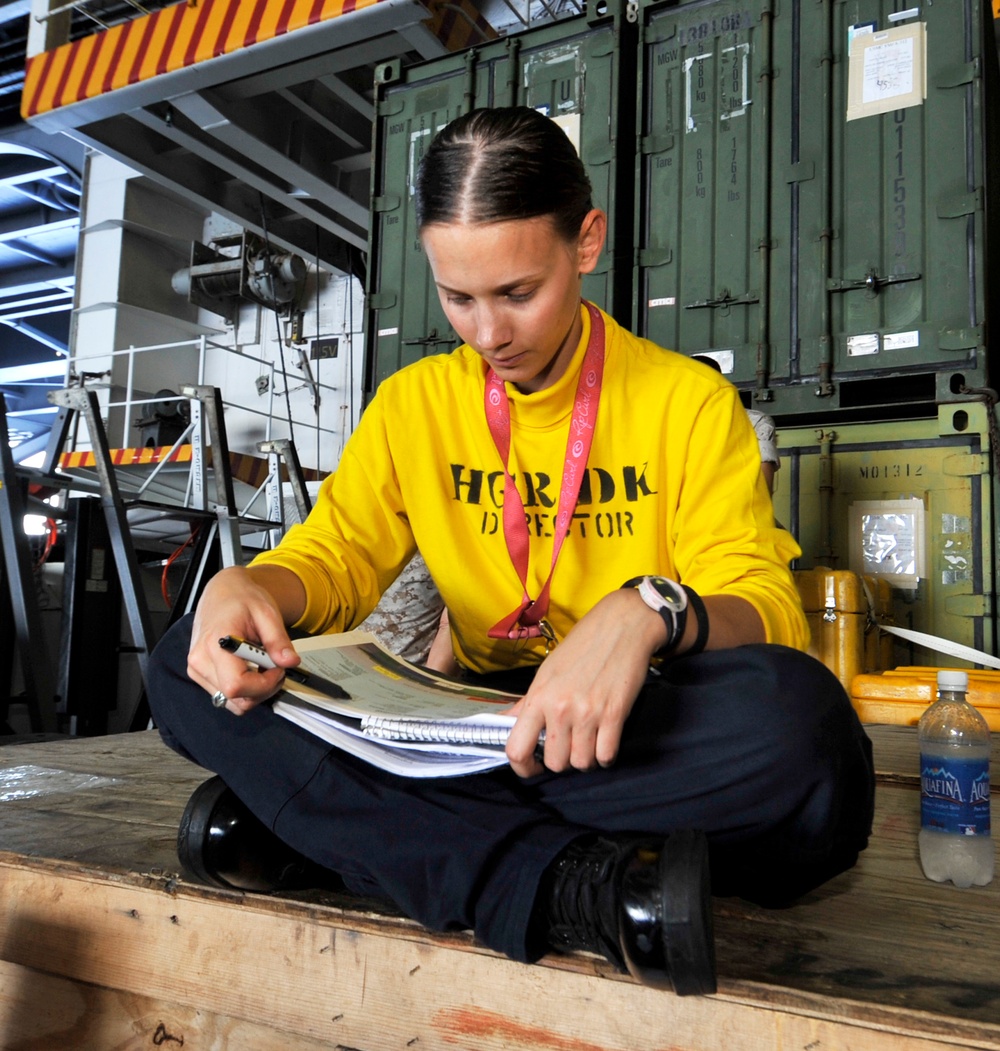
{"x": 702, "y": 209}
{"x": 890, "y": 272}
{"x": 404, "y": 318}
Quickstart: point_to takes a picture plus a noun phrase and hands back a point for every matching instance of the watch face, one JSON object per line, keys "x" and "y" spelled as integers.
{"x": 669, "y": 591}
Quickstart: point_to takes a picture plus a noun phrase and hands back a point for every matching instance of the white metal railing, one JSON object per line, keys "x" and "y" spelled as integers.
{"x": 131, "y": 402}
{"x": 81, "y": 6}
{"x": 544, "y": 10}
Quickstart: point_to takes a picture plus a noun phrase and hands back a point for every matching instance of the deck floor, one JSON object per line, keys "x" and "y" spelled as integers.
{"x": 103, "y": 945}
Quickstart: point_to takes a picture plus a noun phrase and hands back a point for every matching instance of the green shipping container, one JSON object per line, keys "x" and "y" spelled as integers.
{"x": 913, "y": 501}
{"x": 814, "y": 217}
{"x": 571, "y": 70}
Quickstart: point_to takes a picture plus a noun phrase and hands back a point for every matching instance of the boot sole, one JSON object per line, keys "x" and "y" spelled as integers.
{"x": 688, "y": 929}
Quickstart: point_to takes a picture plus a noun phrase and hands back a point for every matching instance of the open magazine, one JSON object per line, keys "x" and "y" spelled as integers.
{"x": 395, "y": 715}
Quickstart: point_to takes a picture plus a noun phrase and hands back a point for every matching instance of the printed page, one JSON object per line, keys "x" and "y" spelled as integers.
{"x": 381, "y": 684}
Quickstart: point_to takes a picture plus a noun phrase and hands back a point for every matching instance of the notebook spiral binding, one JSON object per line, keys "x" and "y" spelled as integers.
{"x": 389, "y": 729}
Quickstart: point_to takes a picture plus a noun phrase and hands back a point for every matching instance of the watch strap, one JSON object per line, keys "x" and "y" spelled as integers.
{"x": 675, "y": 620}
{"x": 701, "y": 616}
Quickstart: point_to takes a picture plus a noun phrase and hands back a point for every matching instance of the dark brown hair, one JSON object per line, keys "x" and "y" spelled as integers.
{"x": 494, "y": 165}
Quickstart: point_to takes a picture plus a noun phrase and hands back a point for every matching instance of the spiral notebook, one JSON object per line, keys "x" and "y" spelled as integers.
{"x": 397, "y": 715}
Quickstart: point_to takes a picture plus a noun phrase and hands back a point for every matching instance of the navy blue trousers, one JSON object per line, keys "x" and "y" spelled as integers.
{"x": 757, "y": 746}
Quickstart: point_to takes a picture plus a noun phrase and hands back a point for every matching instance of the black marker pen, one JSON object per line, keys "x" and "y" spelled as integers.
{"x": 255, "y": 654}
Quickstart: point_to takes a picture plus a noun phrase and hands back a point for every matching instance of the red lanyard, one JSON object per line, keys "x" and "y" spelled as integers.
{"x": 528, "y": 620}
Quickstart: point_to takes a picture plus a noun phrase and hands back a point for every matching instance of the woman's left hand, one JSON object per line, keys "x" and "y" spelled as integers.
{"x": 585, "y": 688}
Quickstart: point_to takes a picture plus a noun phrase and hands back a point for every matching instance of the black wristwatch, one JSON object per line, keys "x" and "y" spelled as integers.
{"x": 667, "y": 598}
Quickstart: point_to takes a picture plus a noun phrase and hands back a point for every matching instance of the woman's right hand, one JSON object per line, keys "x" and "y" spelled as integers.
{"x": 252, "y": 605}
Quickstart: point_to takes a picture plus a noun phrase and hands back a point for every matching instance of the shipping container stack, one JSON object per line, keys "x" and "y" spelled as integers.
{"x": 800, "y": 190}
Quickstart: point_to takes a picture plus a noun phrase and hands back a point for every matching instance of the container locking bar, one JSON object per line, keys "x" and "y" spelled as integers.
{"x": 871, "y": 282}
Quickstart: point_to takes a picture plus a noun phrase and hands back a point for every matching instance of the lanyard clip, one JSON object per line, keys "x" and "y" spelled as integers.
{"x": 546, "y": 631}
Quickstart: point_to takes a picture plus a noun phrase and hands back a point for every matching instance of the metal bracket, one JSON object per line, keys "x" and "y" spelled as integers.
{"x": 871, "y": 282}
{"x": 209, "y": 399}
{"x": 432, "y": 339}
{"x": 724, "y": 299}
{"x": 280, "y": 450}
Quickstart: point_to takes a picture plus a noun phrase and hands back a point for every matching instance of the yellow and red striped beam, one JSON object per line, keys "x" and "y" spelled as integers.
{"x": 162, "y": 42}
{"x": 128, "y": 457}
{"x": 191, "y": 32}
{"x": 253, "y": 470}
{"x": 187, "y": 33}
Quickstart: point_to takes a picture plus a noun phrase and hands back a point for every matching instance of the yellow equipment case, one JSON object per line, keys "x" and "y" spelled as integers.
{"x": 844, "y": 635}
{"x": 902, "y": 695}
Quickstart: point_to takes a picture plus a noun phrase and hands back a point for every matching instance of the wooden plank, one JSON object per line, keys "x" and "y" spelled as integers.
{"x": 333, "y": 980}
{"x": 879, "y": 948}
{"x": 39, "y": 1011}
{"x": 114, "y": 801}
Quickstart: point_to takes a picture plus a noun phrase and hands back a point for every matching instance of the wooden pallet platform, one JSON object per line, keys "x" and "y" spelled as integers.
{"x": 103, "y": 946}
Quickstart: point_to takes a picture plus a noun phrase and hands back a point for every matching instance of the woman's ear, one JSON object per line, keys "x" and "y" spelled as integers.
{"x": 593, "y": 231}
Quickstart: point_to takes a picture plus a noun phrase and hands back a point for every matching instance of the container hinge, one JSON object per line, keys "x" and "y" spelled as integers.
{"x": 958, "y": 76}
{"x": 600, "y": 154}
{"x": 602, "y": 44}
{"x": 965, "y": 465}
{"x": 964, "y": 204}
{"x": 968, "y": 605}
{"x": 871, "y": 281}
{"x": 803, "y": 171}
{"x": 381, "y": 300}
{"x": 655, "y": 256}
{"x": 657, "y": 143}
{"x": 660, "y": 34}
{"x": 724, "y": 299}
{"x": 387, "y": 203}
{"x": 960, "y": 338}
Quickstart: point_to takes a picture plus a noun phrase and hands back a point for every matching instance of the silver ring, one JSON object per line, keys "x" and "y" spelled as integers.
{"x": 219, "y": 699}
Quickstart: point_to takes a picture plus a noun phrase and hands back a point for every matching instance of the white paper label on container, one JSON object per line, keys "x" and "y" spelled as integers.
{"x": 388, "y": 331}
{"x": 570, "y": 123}
{"x": 419, "y": 141}
{"x": 666, "y": 301}
{"x": 887, "y": 539}
{"x": 887, "y": 70}
{"x": 900, "y": 340}
{"x": 858, "y": 346}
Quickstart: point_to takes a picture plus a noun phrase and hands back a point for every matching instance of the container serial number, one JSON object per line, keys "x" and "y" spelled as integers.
{"x": 891, "y": 470}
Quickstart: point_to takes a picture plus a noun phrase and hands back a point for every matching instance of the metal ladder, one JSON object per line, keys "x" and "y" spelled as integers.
{"x": 224, "y": 530}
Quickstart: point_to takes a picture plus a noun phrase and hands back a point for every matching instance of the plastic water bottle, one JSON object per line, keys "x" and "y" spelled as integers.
{"x": 955, "y": 841}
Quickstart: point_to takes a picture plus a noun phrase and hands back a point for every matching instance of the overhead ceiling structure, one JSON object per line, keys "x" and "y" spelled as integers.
{"x": 260, "y": 111}
{"x": 39, "y": 220}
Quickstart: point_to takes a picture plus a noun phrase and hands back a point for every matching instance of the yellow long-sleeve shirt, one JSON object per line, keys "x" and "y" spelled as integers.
{"x": 673, "y": 487}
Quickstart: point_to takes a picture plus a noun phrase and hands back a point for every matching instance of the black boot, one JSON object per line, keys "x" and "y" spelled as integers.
{"x": 221, "y": 842}
{"x": 644, "y": 904}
